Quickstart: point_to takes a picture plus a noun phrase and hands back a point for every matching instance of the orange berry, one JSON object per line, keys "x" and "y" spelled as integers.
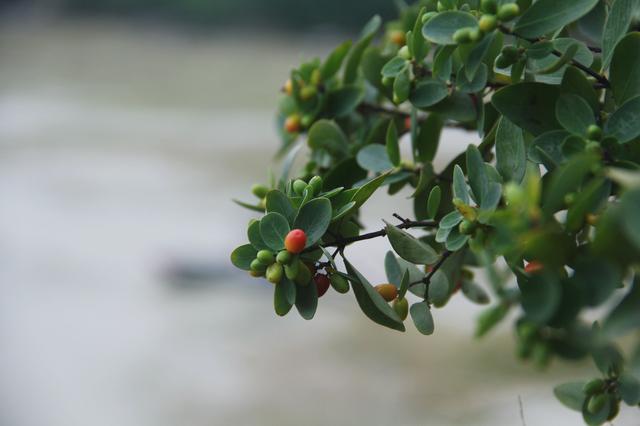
{"x": 288, "y": 87}
{"x": 407, "y": 123}
{"x": 388, "y": 291}
{"x": 292, "y": 123}
{"x": 398, "y": 37}
{"x": 295, "y": 241}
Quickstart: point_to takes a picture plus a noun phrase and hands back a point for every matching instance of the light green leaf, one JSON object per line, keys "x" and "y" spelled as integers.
{"x": 625, "y": 69}
{"x": 433, "y": 203}
{"x": 394, "y": 67}
{"x": 325, "y": 134}
{"x": 545, "y": 16}
{"x": 441, "y": 27}
{"x": 410, "y": 248}
{"x": 274, "y": 228}
{"x": 334, "y": 61}
{"x": 459, "y": 187}
{"x": 366, "y": 191}
{"x": 314, "y": 219}
{"x": 353, "y": 62}
{"x": 243, "y": 256}
{"x": 439, "y": 289}
{"x": 393, "y": 148}
{"x": 428, "y": 93}
{"x": 422, "y": 318}
{"x": 615, "y": 27}
{"x": 624, "y": 123}
{"x": 374, "y": 158}
{"x": 574, "y": 114}
{"x": 571, "y": 395}
{"x": 478, "y": 180}
{"x": 511, "y": 158}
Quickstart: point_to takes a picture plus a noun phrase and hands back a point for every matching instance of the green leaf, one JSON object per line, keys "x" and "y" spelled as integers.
{"x": 456, "y": 240}
{"x": 353, "y": 63}
{"x": 624, "y": 123}
{"x": 410, "y": 248}
{"x": 545, "y": 16}
{"x": 441, "y": 27}
{"x": 511, "y": 159}
{"x": 615, "y": 27}
{"x": 626, "y": 316}
{"x": 566, "y": 57}
{"x": 477, "y": 55}
{"x": 392, "y": 269}
{"x": 625, "y": 69}
{"x": 630, "y": 209}
{"x": 274, "y": 228}
{"x": 402, "y": 87}
{"x": 253, "y": 233}
{"x": 374, "y": 158}
{"x": 325, "y": 134}
{"x": 251, "y": 207}
{"x": 490, "y": 318}
{"x": 428, "y": 138}
{"x": 459, "y": 187}
{"x": 421, "y": 316}
{"x": 438, "y": 289}
{"x": 343, "y": 101}
{"x": 370, "y": 301}
{"x": 314, "y": 219}
{"x": 529, "y": 105}
{"x": 474, "y": 292}
{"x": 278, "y": 202}
{"x": 575, "y": 82}
{"x": 598, "y": 418}
{"x": 574, "y": 114}
{"x": 587, "y": 201}
{"x": 334, "y": 61}
{"x": 571, "y": 395}
{"x": 450, "y": 220}
{"x": 307, "y": 300}
{"x": 419, "y": 45}
{"x": 477, "y": 173}
{"x": 433, "y": 203}
{"x": 394, "y": 67}
{"x": 608, "y": 359}
{"x": 284, "y": 296}
{"x": 243, "y": 256}
{"x": 404, "y": 284}
{"x": 478, "y": 82}
{"x": 541, "y": 296}
{"x": 428, "y": 93}
{"x": 458, "y": 107}
{"x": 393, "y": 148}
{"x": 549, "y": 143}
{"x": 564, "y": 180}
{"x": 597, "y": 278}
{"x": 366, "y": 191}
{"x": 629, "y": 388}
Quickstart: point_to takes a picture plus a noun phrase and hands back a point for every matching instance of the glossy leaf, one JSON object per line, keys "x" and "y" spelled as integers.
{"x": 428, "y": 93}
{"x": 334, "y": 61}
{"x": 410, "y": 248}
{"x": 314, "y": 219}
{"x": 422, "y": 318}
{"x": 366, "y": 191}
{"x": 571, "y": 395}
{"x": 278, "y": 202}
{"x": 307, "y": 300}
{"x": 243, "y": 256}
{"x": 545, "y": 16}
{"x": 616, "y": 26}
{"x": 274, "y": 228}
{"x": 624, "y": 124}
{"x": 625, "y": 69}
{"x": 374, "y": 158}
{"x": 393, "y": 148}
{"x": 284, "y": 297}
{"x": 441, "y": 27}
{"x": 511, "y": 159}
{"x": 574, "y": 114}
{"x": 326, "y": 134}
{"x": 529, "y": 105}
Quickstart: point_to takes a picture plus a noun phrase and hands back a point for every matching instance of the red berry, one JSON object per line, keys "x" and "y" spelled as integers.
{"x": 295, "y": 241}
{"x": 533, "y": 267}
{"x": 322, "y": 283}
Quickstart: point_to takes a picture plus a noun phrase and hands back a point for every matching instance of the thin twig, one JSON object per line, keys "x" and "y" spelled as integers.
{"x": 426, "y": 280}
{"x": 521, "y": 411}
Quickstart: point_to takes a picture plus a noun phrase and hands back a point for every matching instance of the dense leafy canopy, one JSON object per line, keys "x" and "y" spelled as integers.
{"x": 550, "y": 192}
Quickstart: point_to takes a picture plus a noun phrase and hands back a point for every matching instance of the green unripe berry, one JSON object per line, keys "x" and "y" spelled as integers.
{"x": 569, "y": 199}
{"x": 511, "y": 53}
{"x": 508, "y": 11}
{"x": 308, "y": 92}
{"x": 594, "y": 132}
{"x": 256, "y": 274}
{"x": 488, "y": 23}
{"x": 258, "y": 266}
{"x": 306, "y": 121}
{"x": 401, "y": 306}
{"x": 274, "y": 273}
{"x": 467, "y": 227}
{"x": 404, "y": 52}
{"x": 259, "y": 191}
{"x": 284, "y": 258}
{"x": 462, "y": 36}
{"x": 427, "y": 16}
{"x": 503, "y": 62}
{"x": 339, "y": 283}
{"x": 596, "y": 402}
{"x": 593, "y": 147}
{"x": 387, "y": 81}
{"x": 316, "y": 184}
{"x": 316, "y": 77}
{"x": 292, "y": 270}
{"x": 266, "y": 257}
{"x": 475, "y": 34}
{"x": 299, "y": 186}
{"x": 489, "y": 6}
{"x": 593, "y": 387}
{"x": 514, "y": 194}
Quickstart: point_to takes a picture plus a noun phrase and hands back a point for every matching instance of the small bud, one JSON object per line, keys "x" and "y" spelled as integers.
{"x": 299, "y": 186}
{"x": 284, "y": 258}
{"x": 339, "y": 283}
{"x": 467, "y": 227}
{"x": 508, "y": 11}
{"x": 292, "y": 270}
{"x": 593, "y": 387}
{"x": 511, "y": 53}
{"x": 404, "y": 53}
{"x": 397, "y": 37}
{"x": 594, "y": 132}
{"x": 597, "y": 402}
{"x": 256, "y": 274}
{"x": 462, "y": 36}
{"x": 569, "y": 199}
{"x": 316, "y": 184}
{"x": 258, "y": 266}
{"x": 387, "y": 81}
{"x": 259, "y": 191}
{"x": 306, "y": 121}
{"x": 475, "y": 34}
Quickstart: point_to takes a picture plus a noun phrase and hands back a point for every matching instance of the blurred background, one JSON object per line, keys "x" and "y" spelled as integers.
{"x": 126, "y": 128}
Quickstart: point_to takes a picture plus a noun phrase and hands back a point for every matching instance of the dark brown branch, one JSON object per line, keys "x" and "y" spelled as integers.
{"x": 426, "y": 280}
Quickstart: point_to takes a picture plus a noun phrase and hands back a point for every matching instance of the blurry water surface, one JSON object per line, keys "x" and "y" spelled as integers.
{"x": 120, "y": 149}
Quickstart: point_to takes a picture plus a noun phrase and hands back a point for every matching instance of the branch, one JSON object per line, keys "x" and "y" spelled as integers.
{"x": 343, "y": 242}
{"x": 602, "y": 80}
{"x": 426, "y": 280}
